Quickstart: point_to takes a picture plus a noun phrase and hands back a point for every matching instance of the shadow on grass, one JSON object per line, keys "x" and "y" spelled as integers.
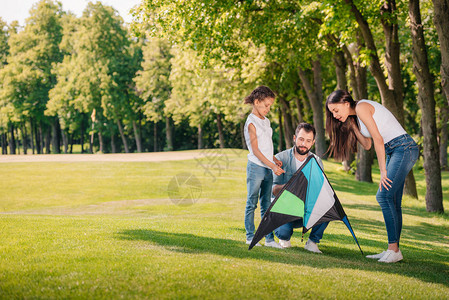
{"x": 429, "y": 269}
{"x": 411, "y": 211}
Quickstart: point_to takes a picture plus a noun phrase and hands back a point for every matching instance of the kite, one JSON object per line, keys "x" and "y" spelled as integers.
{"x": 308, "y": 195}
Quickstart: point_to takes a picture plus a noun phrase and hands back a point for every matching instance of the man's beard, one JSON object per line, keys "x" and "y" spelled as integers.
{"x": 302, "y": 152}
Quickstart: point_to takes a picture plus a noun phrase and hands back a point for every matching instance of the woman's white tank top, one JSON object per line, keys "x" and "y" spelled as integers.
{"x": 387, "y": 124}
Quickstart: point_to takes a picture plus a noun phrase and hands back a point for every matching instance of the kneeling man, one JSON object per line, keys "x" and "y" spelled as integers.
{"x": 292, "y": 159}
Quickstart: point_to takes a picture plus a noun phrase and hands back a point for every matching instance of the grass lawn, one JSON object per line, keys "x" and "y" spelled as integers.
{"x": 108, "y": 230}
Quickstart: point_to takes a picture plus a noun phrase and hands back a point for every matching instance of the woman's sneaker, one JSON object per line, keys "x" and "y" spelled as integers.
{"x": 376, "y": 256}
{"x": 391, "y": 257}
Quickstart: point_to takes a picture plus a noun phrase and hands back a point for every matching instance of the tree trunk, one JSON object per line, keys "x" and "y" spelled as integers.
{"x": 200, "y": 137}
{"x": 155, "y": 148}
{"x": 71, "y": 142}
{"x": 287, "y": 125}
{"x": 113, "y": 145}
{"x": 17, "y": 140}
{"x": 426, "y": 101}
{"x": 298, "y": 106}
{"x": 32, "y": 135}
{"x": 12, "y": 140}
{"x": 220, "y": 131}
{"x": 91, "y": 143}
{"x": 364, "y": 163}
{"x": 315, "y": 96}
{"x": 122, "y": 135}
{"x": 137, "y": 137}
{"x": 4, "y": 144}
{"x": 281, "y": 133}
{"x": 169, "y": 133}
{"x": 340, "y": 70}
{"x": 441, "y": 21}
{"x": 82, "y": 134}
{"x": 48, "y": 140}
{"x": 38, "y": 138}
{"x": 65, "y": 140}
{"x": 100, "y": 141}
{"x": 23, "y": 128}
{"x": 55, "y": 140}
{"x": 444, "y": 134}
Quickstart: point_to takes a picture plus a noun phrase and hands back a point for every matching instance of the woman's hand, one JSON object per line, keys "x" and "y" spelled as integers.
{"x": 384, "y": 181}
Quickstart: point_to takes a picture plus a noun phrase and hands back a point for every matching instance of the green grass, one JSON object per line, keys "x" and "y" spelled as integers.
{"x": 108, "y": 230}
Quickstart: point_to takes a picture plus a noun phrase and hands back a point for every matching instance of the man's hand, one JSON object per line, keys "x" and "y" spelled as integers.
{"x": 277, "y": 189}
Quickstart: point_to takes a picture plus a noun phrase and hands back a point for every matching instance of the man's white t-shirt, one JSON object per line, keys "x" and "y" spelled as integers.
{"x": 300, "y": 163}
{"x": 264, "y": 134}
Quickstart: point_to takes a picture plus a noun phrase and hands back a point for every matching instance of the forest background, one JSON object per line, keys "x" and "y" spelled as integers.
{"x": 176, "y": 77}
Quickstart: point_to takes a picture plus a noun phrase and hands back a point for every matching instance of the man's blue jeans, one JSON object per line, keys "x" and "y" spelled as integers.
{"x": 285, "y": 231}
{"x": 259, "y": 181}
{"x": 402, "y": 153}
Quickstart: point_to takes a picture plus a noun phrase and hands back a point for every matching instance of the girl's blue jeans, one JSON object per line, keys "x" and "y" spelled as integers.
{"x": 259, "y": 181}
{"x": 402, "y": 153}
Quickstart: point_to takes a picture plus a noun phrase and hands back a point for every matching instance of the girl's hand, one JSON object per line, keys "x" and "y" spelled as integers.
{"x": 384, "y": 181}
{"x": 277, "y": 170}
{"x": 277, "y": 161}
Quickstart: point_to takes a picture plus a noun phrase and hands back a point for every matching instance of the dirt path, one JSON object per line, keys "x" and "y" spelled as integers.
{"x": 130, "y": 157}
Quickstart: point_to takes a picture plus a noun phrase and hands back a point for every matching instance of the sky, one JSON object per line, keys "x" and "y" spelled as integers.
{"x": 11, "y": 10}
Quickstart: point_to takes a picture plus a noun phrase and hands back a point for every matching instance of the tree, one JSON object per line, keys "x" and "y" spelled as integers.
{"x": 426, "y": 100}
{"x": 391, "y": 91}
{"x": 427, "y": 103}
{"x": 94, "y": 77}
{"x": 27, "y": 78}
{"x": 153, "y": 84}
{"x": 441, "y": 20}
{"x": 221, "y": 29}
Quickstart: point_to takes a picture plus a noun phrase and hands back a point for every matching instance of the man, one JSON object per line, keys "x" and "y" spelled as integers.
{"x": 292, "y": 159}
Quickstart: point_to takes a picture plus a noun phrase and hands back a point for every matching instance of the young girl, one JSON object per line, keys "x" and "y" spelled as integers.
{"x": 261, "y": 161}
{"x": 348, "y": 122}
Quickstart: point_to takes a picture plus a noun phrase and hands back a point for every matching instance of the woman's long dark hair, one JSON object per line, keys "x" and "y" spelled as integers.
{"x": 343, "y": 141}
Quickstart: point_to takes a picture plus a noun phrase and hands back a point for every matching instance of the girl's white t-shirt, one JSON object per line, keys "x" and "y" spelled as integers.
{"x": 389, "y": 127}
{"x": 264, "y": 134}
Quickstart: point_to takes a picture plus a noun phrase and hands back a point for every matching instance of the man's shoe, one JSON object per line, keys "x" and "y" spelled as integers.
{"x": 248, "y": 242}
{"x": 312, "y": 247}
{"x": 285, "y": 244}
{"x": 273, "y": 244}
{"x": 376, "y": 256}
{"x": 391, "y": 257}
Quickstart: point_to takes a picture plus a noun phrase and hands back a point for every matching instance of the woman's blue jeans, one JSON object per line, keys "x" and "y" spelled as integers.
{"x": 259, "y": 181}
{"x": 402, "y": 153}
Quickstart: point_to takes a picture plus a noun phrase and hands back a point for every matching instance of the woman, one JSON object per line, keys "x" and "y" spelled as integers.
{"x": 348, "y": 122}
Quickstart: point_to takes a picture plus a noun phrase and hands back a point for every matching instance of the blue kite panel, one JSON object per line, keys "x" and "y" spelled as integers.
{"x": 315, "y": 178}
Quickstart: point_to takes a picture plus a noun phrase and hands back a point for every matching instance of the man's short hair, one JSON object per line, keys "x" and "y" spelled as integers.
{"x": 307, "y": 127}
